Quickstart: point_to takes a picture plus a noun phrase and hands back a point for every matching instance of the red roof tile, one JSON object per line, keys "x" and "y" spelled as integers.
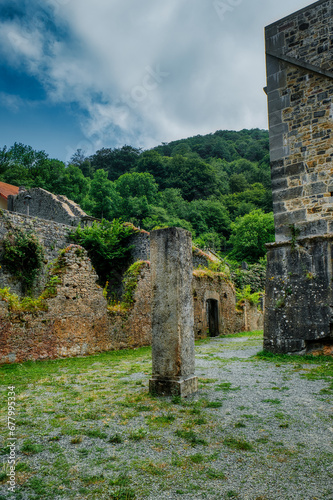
{"x": 7, "y": 189}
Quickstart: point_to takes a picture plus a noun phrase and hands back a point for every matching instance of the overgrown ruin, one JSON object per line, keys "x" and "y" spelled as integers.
{"x": 299, "y": 295}
{"x": 59, "y": 326}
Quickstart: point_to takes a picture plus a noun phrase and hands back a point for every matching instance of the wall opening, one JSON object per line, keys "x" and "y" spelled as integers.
{"x": 212, "y": 311}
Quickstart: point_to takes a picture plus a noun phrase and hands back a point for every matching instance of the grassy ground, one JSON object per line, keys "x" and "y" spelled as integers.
{"x": 87, "y": 428}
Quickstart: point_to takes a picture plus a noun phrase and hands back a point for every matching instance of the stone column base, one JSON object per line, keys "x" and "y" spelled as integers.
{"x": 168, "y": 387}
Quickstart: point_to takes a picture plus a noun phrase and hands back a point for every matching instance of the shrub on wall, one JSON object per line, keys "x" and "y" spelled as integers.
{"x": 254, "y": 276}
{"x": 107, "y": 246}
{"x": 23, "y": 257}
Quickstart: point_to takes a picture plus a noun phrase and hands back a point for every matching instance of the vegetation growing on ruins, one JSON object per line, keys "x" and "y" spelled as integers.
{"x": 30, "y": 304}
{"x": 205, "y": 184}
{"x": 130, "y": 281}
{"x": 22, "y": 256}
{"x": 108, "y": 248}
{"x": 245, "y": 294}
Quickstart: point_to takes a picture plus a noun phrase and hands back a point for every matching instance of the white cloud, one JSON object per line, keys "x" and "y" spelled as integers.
{"x": 18, "y": 44}
{"x": 151, "y": 71}
{"x": 12, "y": 102}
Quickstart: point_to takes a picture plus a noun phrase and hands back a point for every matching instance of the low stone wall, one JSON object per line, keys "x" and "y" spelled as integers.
{"x": 249, "y": 318}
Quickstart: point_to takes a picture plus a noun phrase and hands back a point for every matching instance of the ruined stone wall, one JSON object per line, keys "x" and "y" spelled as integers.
{"x": 132, "y": 327}
{"x": 75, "y": 322}
{"x": 300, "y": 105}
{"x": 52, "y": 235}
{"x": 78, "y": 322}
{"x": 208, "y": 285}
{"x": 213, "y": 286}
{"x": 46, "y": 205}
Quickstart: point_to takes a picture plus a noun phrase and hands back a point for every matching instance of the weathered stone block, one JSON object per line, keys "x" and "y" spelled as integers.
{"x": 172, "y": 311}
{"x": 166, "y": 387}
{"x": 286, "y": 218}
{"x": 299, "y": 295}
{"x": 315, "y": 188}
{"x": 295, "y": 169}
{"x": 287, "y": 194}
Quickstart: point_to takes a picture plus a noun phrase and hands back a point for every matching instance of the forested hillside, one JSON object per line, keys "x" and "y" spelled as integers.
{"x": 206, "y": 184}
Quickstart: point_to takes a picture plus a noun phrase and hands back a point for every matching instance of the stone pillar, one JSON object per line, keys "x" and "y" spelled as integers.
{"x": 172, "y": 313}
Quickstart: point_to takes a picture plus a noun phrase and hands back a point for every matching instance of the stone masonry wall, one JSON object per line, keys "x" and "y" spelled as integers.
{"x": 132, "y": 327}
{"x": 48, "y": 206}
{"x": 299, "y": 297}
{"x": 75, "y": 322}
{"x": 213, "y": 286}
{"x": 300, "y": 104}
{"x": 52, "y": 235}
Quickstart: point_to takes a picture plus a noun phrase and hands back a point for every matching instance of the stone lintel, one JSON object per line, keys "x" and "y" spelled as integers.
{"x": 169, "y": 387}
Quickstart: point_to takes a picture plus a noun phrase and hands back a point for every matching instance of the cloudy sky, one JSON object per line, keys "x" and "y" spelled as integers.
{"x": 103, "y": 73}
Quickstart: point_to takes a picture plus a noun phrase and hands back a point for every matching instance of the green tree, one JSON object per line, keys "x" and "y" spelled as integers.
{"x": 80, "y": 160}
{"x": 153, "y": 163}
{"x": 105, "y": 200}
{"x": 115, "y": 161}
{"x": 210, "y": 240}
{"x": 249, "y": 234}
{"x": 137, "y": 185}
{"x": 195, "y": 178}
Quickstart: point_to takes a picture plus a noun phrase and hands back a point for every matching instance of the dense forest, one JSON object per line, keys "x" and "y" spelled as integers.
{"x": 216, "y": 185}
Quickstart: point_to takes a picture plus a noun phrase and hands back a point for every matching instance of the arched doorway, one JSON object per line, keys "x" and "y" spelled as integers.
{"x": 212, "y": 312}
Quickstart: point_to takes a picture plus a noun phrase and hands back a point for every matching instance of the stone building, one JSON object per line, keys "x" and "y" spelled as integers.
{"x": 38, "y": 202}
{"x": 299, "y": 296}
{"x": 75, "y": 319}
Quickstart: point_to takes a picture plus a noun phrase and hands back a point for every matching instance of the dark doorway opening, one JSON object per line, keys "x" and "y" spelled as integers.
{"x": 212, "y": 308}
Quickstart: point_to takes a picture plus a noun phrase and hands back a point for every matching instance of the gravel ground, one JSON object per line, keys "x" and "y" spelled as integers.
{"x": 257, "y": 430}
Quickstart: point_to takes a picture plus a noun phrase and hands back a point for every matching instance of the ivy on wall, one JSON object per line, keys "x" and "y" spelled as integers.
{"x": 22, "y": 257}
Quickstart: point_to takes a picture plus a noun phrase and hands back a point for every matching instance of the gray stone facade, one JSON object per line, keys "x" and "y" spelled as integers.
{"x": 53, "y": 236}
{"x": 38, "y": 202}
{"x": 298, "y": 313}
{"x": 300, "y": 107}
